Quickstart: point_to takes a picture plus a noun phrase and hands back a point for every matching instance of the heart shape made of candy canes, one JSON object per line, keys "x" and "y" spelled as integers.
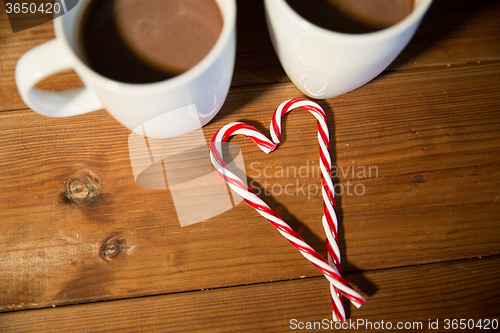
{"x": 331, "y": 267}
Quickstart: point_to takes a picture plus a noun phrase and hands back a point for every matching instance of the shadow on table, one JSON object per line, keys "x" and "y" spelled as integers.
{"x": 256, "y": 63}
{"x": 256, "y": 60}
{"x": 443, "y": 17}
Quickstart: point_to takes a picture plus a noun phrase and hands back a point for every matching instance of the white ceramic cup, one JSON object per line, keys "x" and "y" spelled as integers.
{"x": 176, "y": 106}
{"x": 324, "y": 63}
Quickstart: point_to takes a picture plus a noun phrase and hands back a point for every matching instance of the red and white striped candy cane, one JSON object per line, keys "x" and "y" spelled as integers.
{"x": 331, "y": 268}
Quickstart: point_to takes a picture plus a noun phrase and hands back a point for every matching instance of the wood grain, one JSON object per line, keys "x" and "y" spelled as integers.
{"x": 410, "y": 295}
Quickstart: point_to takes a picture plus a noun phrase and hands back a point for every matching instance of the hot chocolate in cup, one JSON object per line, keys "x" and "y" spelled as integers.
{"x": 144, "y": 61}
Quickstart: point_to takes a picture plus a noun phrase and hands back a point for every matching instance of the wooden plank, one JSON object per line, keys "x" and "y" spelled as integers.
{"x": 454, "y": 32}
{"x": 435, "y": 197}
{"x": 413, "y": 296}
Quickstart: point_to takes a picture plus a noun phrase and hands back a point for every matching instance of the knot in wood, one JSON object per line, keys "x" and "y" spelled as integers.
{"x": 78, "y": 189}
{"x": 112, "y": 247}
{"x": 82, "y": 189}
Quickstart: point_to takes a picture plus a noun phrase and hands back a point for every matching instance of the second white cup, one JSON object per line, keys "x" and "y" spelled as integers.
{"x": 324, "y": 63}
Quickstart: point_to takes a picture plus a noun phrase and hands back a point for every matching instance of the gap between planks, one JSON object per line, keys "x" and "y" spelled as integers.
{"x": 416, "y": 293}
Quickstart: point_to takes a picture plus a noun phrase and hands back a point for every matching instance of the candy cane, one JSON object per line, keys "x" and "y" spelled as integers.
{"x": 331, "y": 268}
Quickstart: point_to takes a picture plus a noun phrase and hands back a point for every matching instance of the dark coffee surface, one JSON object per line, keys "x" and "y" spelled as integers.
{"x": 353, "y": 16}
{"x": 143, "y": 41}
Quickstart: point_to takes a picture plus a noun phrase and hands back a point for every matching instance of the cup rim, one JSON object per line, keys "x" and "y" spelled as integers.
{"x": 228, "y": 11}
{"x": 418, "y": 12}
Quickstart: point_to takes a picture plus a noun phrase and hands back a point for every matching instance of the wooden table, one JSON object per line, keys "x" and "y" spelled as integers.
{"x": 419, "y": 235}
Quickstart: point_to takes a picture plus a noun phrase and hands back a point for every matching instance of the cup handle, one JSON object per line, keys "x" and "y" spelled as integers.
{"x": 43, "y": 61}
